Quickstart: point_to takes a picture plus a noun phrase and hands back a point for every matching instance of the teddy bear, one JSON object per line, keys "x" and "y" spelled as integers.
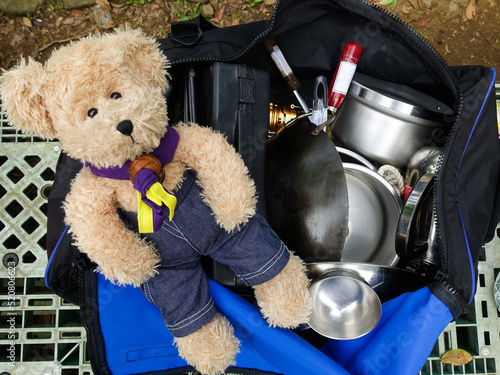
{"x": 152, "y": 198}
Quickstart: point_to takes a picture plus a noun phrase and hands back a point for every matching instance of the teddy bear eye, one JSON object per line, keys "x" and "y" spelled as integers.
{"x": 92, "y": 112}
{"x": 116, "y": 95}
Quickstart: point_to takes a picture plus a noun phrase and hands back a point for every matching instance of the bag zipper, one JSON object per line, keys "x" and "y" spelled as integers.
{"x": 438, "y": 189}
{"x": 443, "y": 275}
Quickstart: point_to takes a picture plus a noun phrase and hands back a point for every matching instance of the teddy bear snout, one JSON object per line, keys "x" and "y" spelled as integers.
{"x": 125, "y": 127}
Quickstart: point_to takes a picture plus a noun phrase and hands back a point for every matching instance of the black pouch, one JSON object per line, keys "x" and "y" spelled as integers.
{"x": 236, "y": 103}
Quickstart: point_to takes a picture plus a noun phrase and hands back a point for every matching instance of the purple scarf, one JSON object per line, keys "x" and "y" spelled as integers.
{"x": 146, "y": 177}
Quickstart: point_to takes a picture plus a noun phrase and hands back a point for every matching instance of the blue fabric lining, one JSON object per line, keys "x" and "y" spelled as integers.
{"x": 401, "y": 342}
{"x": 164, "y": 351}
{"x": 137, "y": 341}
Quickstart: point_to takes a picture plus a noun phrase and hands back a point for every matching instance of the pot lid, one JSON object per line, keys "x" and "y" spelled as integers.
{"x": 416, "y": 219}
{"x": 398, "y": 97}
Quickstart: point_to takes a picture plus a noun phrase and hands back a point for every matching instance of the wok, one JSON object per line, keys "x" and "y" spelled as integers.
{"x": 306, "y": 192}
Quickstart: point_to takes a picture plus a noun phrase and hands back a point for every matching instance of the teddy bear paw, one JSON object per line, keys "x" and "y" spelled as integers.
{"x": 285, "y": 300}
{"x": 212, "y": 348}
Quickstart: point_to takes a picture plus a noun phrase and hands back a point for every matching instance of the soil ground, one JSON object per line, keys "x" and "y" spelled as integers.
{"x": 463, "y": 31}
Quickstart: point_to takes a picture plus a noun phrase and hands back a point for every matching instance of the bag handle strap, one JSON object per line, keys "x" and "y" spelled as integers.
{"x": 188, "y": 33}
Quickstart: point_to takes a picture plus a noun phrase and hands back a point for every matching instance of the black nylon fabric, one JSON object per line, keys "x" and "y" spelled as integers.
{"x": 468, "y": 182}
{"x": 311, "y": 35}
{"x": 214, "y": 44}
{"x": 61, "y": 275}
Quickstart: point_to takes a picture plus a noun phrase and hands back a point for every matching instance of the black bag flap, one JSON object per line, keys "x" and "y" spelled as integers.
{"x": 61, "y": 275}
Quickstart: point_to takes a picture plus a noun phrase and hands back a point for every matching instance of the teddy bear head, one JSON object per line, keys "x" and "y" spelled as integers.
{"x": 101, "y": 97}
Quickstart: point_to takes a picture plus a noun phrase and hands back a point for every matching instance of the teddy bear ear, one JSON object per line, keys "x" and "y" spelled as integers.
{"x": 21, "y": 95}
{"x": 143, "y": 51}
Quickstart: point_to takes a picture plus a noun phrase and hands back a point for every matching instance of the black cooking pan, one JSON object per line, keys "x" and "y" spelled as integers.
{"x": 306, "y": 192}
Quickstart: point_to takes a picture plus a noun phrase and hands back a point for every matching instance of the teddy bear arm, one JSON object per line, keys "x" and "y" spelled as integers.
{"x": 222, "y": 174}
{"x": 284, "y": 300}
{"x": 91, "y": 213}
{"x": 212, "y": 348}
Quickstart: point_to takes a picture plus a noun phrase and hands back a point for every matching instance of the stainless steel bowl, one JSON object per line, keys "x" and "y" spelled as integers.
{"x": 345, "y": 307}
{"x": 374, "y": 211}
{"x": 386, "y": 122}
{"x": 387, "y": 282}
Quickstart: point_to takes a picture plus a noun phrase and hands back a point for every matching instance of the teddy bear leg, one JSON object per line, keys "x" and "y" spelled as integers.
{"x": 212, "y": 348}
{"x": 284, "y": 300}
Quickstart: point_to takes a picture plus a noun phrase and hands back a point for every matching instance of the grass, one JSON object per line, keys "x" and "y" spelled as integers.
{"x": 184, "y": 11}
{"x": 253, "y": 2}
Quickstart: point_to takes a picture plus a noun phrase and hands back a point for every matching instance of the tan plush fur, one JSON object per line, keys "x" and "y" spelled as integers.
{"x": 284, "y": 300}
{"x": 215, "y": 342}
{"x": 53, "y": 101}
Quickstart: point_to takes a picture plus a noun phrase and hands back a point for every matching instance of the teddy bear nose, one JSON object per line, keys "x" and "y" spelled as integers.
{"x": 125, "y": 127}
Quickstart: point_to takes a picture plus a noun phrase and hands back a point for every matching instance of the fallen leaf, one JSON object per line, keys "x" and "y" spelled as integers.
{"x": 15, "y": 40}
{"x": 235, "y": 22}
{"x": 456, "y": 357}
{"x": 78, "y": 13}
{"x": 219, "y": 14}
{"x": 405, "y": 9}
{"x": 470, "y": 11}
{"x": 68, "y": 21}
{"x": 103, "y": 3}
{"x": 27, "y": 22}
{"x": 424, "y": 21}
{"x": 115, "y": 5}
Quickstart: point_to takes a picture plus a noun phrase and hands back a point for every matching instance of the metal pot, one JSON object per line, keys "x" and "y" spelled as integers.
{"x": 349, "y": 156}
{"x": 425, "y": 160}
{"x": 387, "y": 122}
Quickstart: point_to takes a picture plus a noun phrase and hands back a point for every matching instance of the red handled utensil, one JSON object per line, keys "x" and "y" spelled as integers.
{"x": 341, "y": 81}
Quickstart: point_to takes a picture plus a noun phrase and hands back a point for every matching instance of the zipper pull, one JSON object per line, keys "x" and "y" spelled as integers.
{"x": 80, "y": 262}
{"x": 441, "y": 276}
